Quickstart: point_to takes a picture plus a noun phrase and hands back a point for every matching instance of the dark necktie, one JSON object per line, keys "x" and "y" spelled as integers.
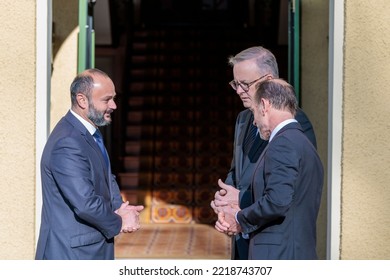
{"x": 99, "y": 140}
{"x": 250, "y": 138}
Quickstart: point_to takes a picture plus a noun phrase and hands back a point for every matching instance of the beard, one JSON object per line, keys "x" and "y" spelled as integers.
{"x": 96, "y": 116}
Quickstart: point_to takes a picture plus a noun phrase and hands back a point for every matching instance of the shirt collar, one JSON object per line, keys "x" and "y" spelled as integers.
{"x": 280, "y": 126}
{"x": 91, "y": 129}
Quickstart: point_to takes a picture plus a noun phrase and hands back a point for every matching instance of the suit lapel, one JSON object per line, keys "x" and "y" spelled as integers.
{"x": 243, "y": 134}
{"x": 256, "y": 171}
{"x": 242, "y": 129}
{"x": 88, "y": 138}
{"x": 253, "y": 155}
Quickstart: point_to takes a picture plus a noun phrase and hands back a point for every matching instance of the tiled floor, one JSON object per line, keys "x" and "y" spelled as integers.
{"x": 173, "y": 241}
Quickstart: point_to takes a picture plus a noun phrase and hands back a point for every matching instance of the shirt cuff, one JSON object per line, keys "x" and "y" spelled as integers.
{"x": 244, "y": 235}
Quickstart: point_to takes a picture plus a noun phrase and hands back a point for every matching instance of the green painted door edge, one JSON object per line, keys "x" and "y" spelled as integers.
{"x": 86, "y": 36}
{"x": 82, "y": 36}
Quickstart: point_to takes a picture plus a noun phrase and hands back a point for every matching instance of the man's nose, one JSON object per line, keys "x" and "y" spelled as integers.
{"x": 112, "y": 105}
{"x": 240, "y": 90}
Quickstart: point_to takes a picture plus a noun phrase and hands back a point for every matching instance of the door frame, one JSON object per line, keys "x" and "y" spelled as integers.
{"x": 335, "y": 101}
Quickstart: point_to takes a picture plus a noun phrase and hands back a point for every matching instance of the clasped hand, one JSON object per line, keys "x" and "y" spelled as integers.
{"x": 130, "y": 217}
{"x": 225, "y": 205}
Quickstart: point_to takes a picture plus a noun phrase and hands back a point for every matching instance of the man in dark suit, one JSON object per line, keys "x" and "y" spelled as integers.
{"x": 82, "y": 207}
{"x": 286, "y": 184}
{"x": 250, "y": 67}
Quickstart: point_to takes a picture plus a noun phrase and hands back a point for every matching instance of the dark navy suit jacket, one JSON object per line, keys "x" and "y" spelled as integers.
{"x": 286, "y": 193}
{"x": 80, "y": 196}
{"x": 242, "y": 167}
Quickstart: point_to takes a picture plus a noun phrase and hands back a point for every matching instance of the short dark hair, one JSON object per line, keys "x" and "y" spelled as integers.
{"x": 83, "y": 83}
{"x": 279, "y": 93}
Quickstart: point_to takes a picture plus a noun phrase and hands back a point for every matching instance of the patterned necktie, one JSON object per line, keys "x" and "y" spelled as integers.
{"x": 250, "y": 138}
{"x": 99, "y": 140}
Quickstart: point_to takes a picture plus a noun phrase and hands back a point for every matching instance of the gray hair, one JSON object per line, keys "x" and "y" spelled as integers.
{"x": 265, "y": 60}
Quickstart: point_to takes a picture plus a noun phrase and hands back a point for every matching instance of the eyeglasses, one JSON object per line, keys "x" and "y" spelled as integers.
{"x": 245, "y": 86}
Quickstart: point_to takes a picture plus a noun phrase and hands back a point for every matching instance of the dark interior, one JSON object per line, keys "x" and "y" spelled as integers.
{"x": 172, "y": 135}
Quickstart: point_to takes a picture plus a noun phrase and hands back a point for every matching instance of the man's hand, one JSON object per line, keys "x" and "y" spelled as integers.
{"x": 221, "y": 225}
{"x": 226, "y": 222}
{"x": 130, "y": 216}
{"x": 226, "y": 196}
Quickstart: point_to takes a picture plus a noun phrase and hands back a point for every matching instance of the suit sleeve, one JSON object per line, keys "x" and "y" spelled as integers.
{"x": 281, "y": 165}
{"x": 116, "y": 198}
{"x": 73, "y": 172}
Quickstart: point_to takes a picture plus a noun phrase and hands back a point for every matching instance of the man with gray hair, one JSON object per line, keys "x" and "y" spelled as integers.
{"x": 286, "y": 185}
{"x": 250, "y": 67}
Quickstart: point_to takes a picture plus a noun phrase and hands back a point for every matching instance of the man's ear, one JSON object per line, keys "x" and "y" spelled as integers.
{"x": 82, "y": 100}
{"x": 264, "y": 106}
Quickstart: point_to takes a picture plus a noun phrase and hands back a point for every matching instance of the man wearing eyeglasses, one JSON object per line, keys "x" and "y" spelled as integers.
{"x": 250, "y": 67}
